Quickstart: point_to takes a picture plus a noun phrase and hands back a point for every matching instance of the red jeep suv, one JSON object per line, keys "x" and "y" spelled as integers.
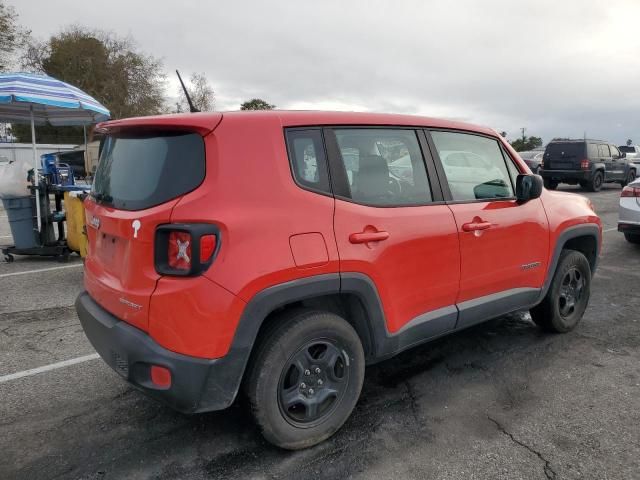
{"x": 281, "y": 252}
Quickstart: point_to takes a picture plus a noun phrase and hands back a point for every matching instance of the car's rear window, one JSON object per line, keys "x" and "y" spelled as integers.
{"x": 567, "y": 150}
{"x": 626, "y": 149}
{"x": 138, "y": 171}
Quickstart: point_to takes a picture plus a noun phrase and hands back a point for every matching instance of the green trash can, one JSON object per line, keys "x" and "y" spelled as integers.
{"x": 21, "y": 221}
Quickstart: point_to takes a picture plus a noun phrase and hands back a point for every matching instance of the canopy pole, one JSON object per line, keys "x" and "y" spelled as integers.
{"x": 86, "y": 153}
{"x": 35, "y": 167}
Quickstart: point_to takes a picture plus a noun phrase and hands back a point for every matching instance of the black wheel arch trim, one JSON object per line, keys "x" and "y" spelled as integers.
{"x": 584, "y": 230}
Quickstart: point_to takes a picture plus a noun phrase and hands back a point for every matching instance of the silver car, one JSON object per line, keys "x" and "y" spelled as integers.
{"x": 632, "y": 153}
{"x": 629, "y": 213}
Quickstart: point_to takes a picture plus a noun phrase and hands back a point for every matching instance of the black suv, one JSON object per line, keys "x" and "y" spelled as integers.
{"x": 589, "y": 163}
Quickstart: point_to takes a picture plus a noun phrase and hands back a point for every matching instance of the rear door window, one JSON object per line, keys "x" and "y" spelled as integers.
{"x": 138, "y": 171}
{"x": 593, "y": 151}
{"x": 615, "y": 153}
{"x": 474, "y": 166}
{"x": 384, "y": 167}
{"x": 603, "y": 150}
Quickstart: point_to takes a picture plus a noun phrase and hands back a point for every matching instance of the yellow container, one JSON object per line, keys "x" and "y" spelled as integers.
{"x": 76, "y": 236}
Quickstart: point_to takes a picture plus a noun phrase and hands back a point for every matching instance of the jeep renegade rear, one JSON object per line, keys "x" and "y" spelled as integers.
{"x": 278, "y": 253}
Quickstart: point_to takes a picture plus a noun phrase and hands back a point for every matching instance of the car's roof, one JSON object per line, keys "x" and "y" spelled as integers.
{"x": 579, "y": 140}
{"x": 292, "y": 118}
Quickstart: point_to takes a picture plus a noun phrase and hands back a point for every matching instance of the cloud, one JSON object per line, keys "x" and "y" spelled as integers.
{"x": 557, "y": 68}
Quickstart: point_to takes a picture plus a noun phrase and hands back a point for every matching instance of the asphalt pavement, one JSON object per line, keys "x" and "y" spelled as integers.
{"x": 498, "y": 401}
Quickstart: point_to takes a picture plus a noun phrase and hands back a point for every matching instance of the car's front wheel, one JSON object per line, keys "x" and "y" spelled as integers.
{"x": 305, "y": 378}
{"x": 568, "y": 295}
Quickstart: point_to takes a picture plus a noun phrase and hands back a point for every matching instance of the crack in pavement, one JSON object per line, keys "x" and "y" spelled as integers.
{"x": 548, "y": 471}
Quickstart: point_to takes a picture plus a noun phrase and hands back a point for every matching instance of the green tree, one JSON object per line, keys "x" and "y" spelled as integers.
{"x": 256, "y": 104}
{"x": 12, "y": 36}
{"x": 526, "y": 143}
{"x": 629, "y": 142}
{"x": 109, "y": 68}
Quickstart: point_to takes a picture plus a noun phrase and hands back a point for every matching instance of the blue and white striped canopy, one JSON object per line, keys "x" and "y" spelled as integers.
{"x": 51, "y": 101}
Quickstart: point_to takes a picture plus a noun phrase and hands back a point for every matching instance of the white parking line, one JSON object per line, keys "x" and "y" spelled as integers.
{"x": 610, "y": 229}
{"x": 13, "y": 274}
{"x": 47, "y": 368}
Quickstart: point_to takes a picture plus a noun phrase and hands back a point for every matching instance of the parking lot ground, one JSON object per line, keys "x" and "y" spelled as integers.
{"x": 498, "y": 401}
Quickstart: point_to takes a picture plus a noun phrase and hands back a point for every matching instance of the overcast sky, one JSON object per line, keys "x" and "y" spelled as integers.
{"x": 558, "y": 68}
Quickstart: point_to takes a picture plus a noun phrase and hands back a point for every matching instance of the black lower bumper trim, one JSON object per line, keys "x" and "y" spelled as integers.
{"x": 196, "y": 384}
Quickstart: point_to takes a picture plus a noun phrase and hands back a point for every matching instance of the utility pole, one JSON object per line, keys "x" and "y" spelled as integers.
{"x": 523, "y": 137}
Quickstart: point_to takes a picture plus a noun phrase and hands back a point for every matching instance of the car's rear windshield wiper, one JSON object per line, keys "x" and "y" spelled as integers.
{"x": 102, "y": 198}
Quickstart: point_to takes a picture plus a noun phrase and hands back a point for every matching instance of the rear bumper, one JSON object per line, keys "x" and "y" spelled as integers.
{"x": 561, "y": 175}
{"x": 196, "y": 384}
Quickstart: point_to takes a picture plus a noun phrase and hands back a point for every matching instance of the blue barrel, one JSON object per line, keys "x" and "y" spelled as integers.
{"x": 20, "y": 214}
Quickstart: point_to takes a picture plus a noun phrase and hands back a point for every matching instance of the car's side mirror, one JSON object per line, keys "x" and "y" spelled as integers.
{"x": 528, "y": 187}
{"x": 623, "y": 154}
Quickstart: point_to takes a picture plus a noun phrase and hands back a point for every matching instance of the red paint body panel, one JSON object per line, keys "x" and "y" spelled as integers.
{"x": 194, "y": 316}
{"x": 494, "y": 259}
{"x": 119, "y": 271}
{"x": 416, "y": 269}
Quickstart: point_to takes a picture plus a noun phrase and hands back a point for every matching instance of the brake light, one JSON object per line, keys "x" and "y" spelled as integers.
{"x": 185, "y": 249}
{"x": 630, "y": 192}
{"x": 585, "y": 164}
{"x": 179, "y": 251}
{"x": 207, "y": 247}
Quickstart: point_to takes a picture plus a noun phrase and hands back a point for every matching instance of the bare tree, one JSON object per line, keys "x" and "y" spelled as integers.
{"x": 12, "y": 36}
{"x": 201, "y": 93}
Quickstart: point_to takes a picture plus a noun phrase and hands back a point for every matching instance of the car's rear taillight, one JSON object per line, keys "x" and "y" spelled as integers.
{"x": 179, "y": 251}
{"x": 585, "y": 164}
{"x": 207, "y": 247}
{"x": 185, "y": 249}
{"x": 630, "y": 192}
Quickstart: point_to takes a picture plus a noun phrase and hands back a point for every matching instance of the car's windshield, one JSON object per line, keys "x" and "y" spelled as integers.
{"x": 627, "y": 149}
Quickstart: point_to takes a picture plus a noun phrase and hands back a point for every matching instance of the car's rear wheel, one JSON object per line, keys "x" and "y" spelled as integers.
{"x": 305, "y": 378}
{"x": 630, "y": 178}
{"x": 596, "y": 181}
{"x": 568, "y": 296}
{"x": 550, "y": 184}
{"x": 632, "y": 238}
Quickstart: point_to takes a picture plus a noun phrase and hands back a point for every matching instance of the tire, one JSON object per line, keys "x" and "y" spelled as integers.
{"x": 305, "y": 378}
{"x": 631, "y": 176}
{"x": 568, "y": 296}
{"x": 595, "y": 184}
{"x": 550, "y": 184}
{"x": 632, "y": 238}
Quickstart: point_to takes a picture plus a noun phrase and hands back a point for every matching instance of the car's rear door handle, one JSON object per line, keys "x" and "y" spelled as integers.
{"x": 366, "y": 237}
{"x": 475, "y": 226}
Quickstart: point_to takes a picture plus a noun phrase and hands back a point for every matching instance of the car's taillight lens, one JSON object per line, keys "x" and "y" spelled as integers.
{"x": 630, "y": 192}
{"x": 179, "y": 251}
{"x": 584, "y": 164}
{"x": 185, "y": 249}
{"x": 207, "y": 247}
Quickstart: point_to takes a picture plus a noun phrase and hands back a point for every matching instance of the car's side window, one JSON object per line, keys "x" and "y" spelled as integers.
{"x": 474, "y": 166}
{"x": 384, "y": 166}
{"x": 592, "y": 151}
{"x": 511, "y": 166}
{"x": 604, "y": 151}
{"x": 308, "y": 160}
{"x": 615, "y": 153}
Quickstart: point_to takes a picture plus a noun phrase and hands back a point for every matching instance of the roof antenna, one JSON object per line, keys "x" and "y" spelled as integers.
{"x": 192, "y": 109}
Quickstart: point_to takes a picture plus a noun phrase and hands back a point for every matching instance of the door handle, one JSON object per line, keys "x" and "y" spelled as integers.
{"x": 475, "y": 226}
{"x": 366, "y": 237}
